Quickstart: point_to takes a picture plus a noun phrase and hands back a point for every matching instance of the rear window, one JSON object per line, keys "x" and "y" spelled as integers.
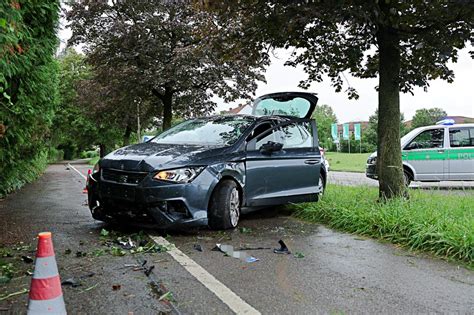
{"x": 296, "y": 107}
{"x": 461, "y": 137}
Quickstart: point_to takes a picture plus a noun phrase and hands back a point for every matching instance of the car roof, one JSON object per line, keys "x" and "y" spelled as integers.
{"x": 445, "y": 126}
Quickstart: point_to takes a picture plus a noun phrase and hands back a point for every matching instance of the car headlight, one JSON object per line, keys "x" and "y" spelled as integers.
{"x": 179, "y": 175}
{"x": 372, "y": 160}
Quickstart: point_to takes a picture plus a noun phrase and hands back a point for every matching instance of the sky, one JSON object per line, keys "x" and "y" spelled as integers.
{"x": 455, "y": 98}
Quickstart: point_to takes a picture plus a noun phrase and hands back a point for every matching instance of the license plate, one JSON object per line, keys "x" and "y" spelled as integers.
{"x": 120, "y": 192}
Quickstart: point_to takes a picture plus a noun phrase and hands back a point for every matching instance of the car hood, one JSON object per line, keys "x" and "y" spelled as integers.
{"x": 149, "y": 156}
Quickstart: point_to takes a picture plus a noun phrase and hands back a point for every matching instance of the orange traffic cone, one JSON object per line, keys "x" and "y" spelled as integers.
{"x": 89, "y": 172}
{"x": 46, "y": 296}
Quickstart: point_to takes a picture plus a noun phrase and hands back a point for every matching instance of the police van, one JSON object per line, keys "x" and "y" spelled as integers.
{"x": 435, "y": 153}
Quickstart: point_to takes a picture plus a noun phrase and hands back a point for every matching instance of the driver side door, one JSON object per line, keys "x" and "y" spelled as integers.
{"x": 287, "y": 175}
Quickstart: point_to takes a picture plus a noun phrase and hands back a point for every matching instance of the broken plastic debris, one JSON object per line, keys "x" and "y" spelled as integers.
{"x": 298, "y": 255}
{"x": 27, "y": 259}
{"x": 229, "y": 251}
{"x": 197, "y": 247}
{"x": 72, "y": 282}
{"x": 283, "y": 248}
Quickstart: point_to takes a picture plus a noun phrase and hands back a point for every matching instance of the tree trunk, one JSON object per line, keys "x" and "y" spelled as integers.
{"x": 126, "y": 135}
{"x": 102, "y": 152}
{"x": 389, "y": 155}
{"x": 167, "y": 109}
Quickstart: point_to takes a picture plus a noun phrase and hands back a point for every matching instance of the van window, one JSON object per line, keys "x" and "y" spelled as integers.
{"x": 461, "y": 137}
{"x": 428, "y": 139}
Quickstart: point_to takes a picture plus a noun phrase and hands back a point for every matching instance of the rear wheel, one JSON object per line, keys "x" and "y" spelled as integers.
{"x": 224, "y": 208}
{"x": 406, "y": 178}
{"x": 321, "y": 185}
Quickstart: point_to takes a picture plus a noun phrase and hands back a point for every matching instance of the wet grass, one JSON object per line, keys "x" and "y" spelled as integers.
{"x": 345, "y": 162}
{"x": 440, "y": 224}
{"x": 94, "y": 160}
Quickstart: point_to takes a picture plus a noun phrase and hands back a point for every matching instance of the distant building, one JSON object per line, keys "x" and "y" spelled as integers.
{"x": 245, "y": 109}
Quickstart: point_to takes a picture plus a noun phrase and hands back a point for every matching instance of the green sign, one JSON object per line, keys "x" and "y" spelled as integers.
{"x": 345, "y": 131}
{"x": 334, "y": 134}
{"x": 357, "y": 131}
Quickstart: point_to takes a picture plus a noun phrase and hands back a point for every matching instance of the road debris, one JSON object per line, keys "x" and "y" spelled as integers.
{"x": 252, "y": 248}
{"x": 90, "y": 288}
{"x": 72, "y": 282}
{"x": 116, "y": 287}
{"x": 197, "y": 247}
{"x": 298, "y": 255}
{"x": 14, "y": 294}
{"x": 245, "y": 230}
{"x": 229, "y": 251}
{"x": 27, "y": 259}
{"x": 283, "y": 248}
{"x": 67, "y": 251}
{"x": 81, "y": 254}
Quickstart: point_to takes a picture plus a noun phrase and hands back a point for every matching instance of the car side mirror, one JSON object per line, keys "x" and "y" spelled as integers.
{"x": 270, "y": 147}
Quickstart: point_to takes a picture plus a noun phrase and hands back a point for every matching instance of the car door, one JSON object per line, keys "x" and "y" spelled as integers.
{"x": 287, "y": 175}
{"x": 427, "y": 155}
{"x": 461, "y": 153}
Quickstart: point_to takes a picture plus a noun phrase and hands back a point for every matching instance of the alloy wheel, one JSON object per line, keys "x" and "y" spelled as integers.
{"x": 234, "y": 207}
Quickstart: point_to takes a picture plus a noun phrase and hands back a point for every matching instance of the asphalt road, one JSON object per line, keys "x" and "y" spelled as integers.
{"x": 357, "y": 179}
{"x": 338, "y": 273}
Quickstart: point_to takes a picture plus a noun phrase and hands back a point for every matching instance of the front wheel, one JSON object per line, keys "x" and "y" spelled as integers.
{"x": 224, "y": 208}
{"x": 406, "y": 179}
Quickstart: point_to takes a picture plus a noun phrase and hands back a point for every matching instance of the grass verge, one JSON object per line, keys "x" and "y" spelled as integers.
{"x": 347, "y": 162}
{"x": 94, "y": 160}
{"x": 440, "y": 224}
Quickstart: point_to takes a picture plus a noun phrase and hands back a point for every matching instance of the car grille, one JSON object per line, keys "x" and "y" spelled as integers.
{"x": 123, "y": 177}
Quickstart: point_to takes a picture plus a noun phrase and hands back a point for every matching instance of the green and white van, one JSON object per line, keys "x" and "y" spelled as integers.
{"x": 435, "y": 153}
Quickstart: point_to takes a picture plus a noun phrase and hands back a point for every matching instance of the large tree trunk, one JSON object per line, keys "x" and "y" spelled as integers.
{"x": 167, "y": 102}
{"x": 389, "y": 155}
{"x": 126, "y": 135}
{"x": 167, "y": 111}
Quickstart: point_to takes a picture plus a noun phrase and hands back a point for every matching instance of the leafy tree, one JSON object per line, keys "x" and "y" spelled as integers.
{"x": 324, "y": 116}
{"x": 163, "y": 53}
{"x": 426, "y": 117}
{"x": 404, "y": 43}
{"x": 28, "y": 88}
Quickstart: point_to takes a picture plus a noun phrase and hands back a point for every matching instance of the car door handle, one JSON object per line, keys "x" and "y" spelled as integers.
{"x": 311, "y": 162}
{"x": 440, "y": 150}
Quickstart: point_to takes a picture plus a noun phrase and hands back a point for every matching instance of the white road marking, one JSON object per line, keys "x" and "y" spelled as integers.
{"x": 83, "y": 176}
{"x": 232, "y": 300}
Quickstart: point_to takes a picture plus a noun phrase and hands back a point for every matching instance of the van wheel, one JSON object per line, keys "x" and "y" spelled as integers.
{"x": 224, "y": 208}
{"x": 406, "y": 178}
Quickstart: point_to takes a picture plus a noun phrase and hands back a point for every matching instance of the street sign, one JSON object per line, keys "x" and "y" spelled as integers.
{"x": 357, "y": 131}
{"x": 345, "y": 131}
{"x": 334, "y": 134}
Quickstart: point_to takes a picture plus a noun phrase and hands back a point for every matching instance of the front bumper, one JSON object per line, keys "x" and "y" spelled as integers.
{"x": 151, "y": 203}
{"x": 371, "y": 171}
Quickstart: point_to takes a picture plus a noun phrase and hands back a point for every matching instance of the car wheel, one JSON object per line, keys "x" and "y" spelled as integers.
{"x": 224, "y": 209}
{"x": 321, "y": 185}
{"x": 406, "y": 179}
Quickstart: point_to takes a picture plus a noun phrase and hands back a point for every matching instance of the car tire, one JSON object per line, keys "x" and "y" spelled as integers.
{"x": 224, "y": 208}
{"x": 321, "y": 186}
{"x": 406, "y": 179}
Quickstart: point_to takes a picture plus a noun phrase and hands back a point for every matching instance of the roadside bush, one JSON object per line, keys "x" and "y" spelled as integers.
{"x": 437, "y": 223}
{"x": 89, "y": 154}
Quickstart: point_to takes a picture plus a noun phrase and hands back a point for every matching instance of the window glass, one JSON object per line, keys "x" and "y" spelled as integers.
{"x": 428, "y": 139}
{"x": 213, "y": 131}
{"x": 462, "y": 137}
{"x": 291, "y": 136}
{"x": 296, "y": 106}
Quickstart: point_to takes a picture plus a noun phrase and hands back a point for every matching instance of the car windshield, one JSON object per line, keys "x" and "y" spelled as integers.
{"x": 409, "y": 136}
{"x": 212, "y": 131}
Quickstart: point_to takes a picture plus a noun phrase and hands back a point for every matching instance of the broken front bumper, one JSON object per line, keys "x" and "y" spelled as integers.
{"x": 150, "y": 202}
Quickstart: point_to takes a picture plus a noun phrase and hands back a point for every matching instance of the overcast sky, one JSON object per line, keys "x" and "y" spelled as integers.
{"x": 456, "y": 98}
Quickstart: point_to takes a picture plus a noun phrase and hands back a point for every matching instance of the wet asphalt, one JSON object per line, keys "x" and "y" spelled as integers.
{"x": 339, "y": 273}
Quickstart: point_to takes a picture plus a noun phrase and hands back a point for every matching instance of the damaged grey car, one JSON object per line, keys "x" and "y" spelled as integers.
{"x": 208, "y": 171}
